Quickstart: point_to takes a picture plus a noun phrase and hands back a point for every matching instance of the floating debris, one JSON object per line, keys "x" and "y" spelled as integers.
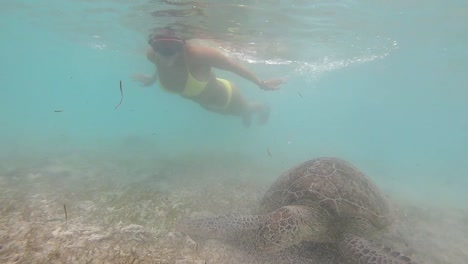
{"x": 66, "y": 215}
{"x": 121, "y": 96}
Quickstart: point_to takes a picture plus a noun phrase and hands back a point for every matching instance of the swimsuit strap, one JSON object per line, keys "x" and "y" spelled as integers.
{"x": 228, "y": 87}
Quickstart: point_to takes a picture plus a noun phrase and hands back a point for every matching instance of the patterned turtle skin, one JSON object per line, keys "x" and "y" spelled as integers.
{"x": 324, "y": 200}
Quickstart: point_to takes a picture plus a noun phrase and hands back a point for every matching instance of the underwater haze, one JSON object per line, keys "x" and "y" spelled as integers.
{"x": 380, "y": 84}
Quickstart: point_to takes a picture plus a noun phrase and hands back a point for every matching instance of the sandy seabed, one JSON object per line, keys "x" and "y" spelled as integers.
{"x": 121, "y": 210}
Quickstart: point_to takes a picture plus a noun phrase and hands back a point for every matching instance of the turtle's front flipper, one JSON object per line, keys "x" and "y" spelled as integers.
{"x": 229, "y": 228}
{"x": 280, "y": 229}
{"x": 358, "y": 250}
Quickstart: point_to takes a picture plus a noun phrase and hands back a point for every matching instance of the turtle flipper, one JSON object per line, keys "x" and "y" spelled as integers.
{"x": 224, "y": 227}
{"x": 358, "y": 250}
{"x": 284, "y": 227}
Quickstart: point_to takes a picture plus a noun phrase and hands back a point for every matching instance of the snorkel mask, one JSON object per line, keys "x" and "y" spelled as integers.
{"x": 166, "y": 46}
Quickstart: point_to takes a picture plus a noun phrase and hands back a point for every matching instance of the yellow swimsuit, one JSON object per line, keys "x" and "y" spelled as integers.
{"x": 194, "y": 87}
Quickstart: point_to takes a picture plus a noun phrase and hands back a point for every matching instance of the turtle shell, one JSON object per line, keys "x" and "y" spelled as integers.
{"x": 332, "y": 184}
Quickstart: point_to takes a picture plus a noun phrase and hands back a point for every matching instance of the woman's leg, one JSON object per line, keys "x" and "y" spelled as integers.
{"x": 241, "y": 107}
{"x": 235, "y": 104}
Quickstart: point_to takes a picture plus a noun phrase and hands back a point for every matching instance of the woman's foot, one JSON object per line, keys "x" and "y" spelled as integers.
{"x": 261, "y": 110}
{"x": 247, "y": 120}
{"x": 263, "y": 114}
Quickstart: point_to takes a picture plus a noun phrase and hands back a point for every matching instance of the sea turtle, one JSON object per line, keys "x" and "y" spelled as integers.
{"x": 324, "y": 200}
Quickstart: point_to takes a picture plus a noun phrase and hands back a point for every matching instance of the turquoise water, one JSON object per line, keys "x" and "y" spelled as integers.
{"x": 382, "y": 85}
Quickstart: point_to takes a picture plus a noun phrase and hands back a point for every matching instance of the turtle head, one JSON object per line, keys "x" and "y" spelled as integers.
{"x": 288, "y": 226}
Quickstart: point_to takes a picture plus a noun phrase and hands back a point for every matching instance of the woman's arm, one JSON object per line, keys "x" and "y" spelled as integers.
{"x": 146, "y": 80}
{"x": 151, "y": 56}
{"x": 214, "y": 58}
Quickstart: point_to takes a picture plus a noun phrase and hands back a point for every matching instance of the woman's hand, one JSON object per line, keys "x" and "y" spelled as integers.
{"x": 271, "y": 85}
{"x": 143, "y": 79}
